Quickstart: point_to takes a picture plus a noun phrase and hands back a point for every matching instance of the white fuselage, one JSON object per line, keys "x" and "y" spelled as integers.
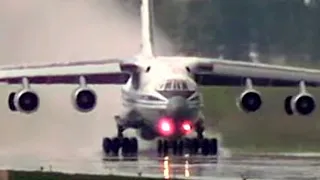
{"x": 163, "y": 80}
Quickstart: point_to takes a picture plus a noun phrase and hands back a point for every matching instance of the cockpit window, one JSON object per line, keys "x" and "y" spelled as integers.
{"x": 184, "y": 85}
{"x": 174, "y": 85}
{"x": 168, "y": 85}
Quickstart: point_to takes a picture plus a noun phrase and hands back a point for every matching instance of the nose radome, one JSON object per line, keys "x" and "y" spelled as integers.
{"x": 177, "y": 106}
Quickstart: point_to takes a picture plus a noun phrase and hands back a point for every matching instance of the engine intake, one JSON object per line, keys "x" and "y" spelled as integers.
{"x": 84, "y": 99}
{"x": 303, "y": 104}
{"x": 250, "y": 101}
{"x": 26, "y": 101}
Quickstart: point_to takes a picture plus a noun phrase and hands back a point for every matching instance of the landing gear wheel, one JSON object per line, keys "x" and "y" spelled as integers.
{"x": 174, "y": 147}
{"x": 181, "y": 147}
{"x": 128, "y": 146}
{"x": 177, "y": 146}
{"x": 106, "y": 145}
{"x": 162, "y": 147}
{"x": 194, "y": 146}
{"x": 115, "y": 146}
{"x": 165, "y": 148}
{"x": 205, "y": 146}
{"x": 209, "y": 146}
{"x": 213, "y": 144}
{"x": 134, "y": 146}
{"x": 159, "y": 147}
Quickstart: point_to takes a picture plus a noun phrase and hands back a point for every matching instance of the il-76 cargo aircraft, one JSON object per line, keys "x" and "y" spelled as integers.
{"x": 161, "y": 93}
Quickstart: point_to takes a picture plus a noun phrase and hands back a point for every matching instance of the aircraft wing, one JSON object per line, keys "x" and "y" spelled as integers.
{"x": 222, "y": 72}
{"x": 105, "y": 71}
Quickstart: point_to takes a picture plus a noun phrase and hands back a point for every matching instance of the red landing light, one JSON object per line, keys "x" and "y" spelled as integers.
{"x": 186, "y": 127}
{"x": 166, "y": 126}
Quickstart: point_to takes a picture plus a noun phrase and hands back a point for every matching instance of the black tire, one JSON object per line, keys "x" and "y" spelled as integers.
{"x": 181, "y": 147}
{"x": 159, "y": 147}
{"x": 106, "y": 145}
{"x": 195, "y": 145}
{"x": 115, "y": 142}
{"x": 174, "y": 147}
{"x": 125, "y": 147}
{"x": 205, "y": 145}
{"x": 11, "y": 105}
{"x": 213, "y": 146}
{"x": 134, "y": 146}
{"x": 165, "y": 147}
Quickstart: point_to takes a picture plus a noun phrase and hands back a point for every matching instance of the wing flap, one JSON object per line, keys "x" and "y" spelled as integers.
{"x": 95, "y": 72}
{"x": 233, "y": 73}
{"x": 110, "y": 78}
{"x": 229, "y": 80}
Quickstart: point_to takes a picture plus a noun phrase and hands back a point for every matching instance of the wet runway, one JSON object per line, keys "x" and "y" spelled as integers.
{"x": 192, "y": 167}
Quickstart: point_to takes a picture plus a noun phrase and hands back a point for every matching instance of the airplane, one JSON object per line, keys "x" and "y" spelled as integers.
{"x": 161, "y": 94}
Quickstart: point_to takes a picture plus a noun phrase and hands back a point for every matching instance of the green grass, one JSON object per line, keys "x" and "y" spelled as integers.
{"x": 38, "y": 175}
{"x": 268, "y": 130}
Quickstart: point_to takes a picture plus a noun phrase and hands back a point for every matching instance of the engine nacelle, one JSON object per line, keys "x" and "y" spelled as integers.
{"x": 249, "y": 101}
{"x": 84, "y": 99}
{"x": 303, "y": 104}
{"x": 26, "y": 101}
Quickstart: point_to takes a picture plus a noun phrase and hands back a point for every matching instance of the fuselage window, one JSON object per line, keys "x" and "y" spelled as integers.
{"x": 176, "y": 85}
{"x": 181, "y": 88}
{"x": 184, "y": 86}
{"x": 168, "y": 85}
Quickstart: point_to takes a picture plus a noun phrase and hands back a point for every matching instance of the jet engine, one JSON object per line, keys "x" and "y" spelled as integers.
{"x": 26, "y": 101}
{"x": 249, "y": 101}
{"x": 303, "y": 104}
{"x": 84, "y": 99}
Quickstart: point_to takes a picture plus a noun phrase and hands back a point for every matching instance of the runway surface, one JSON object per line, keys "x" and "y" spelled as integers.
{"x": 195, "y": 167}
{"x": 59, "y": 137}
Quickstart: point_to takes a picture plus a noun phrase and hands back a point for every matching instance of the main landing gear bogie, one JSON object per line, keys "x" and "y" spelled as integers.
{"x": 191, "y": 146}
{"x": 127, "y": 146}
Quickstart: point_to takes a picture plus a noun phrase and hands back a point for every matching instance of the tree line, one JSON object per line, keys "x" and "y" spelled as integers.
{"x": 287, "y": 28}
{"x": 271, "y": 27}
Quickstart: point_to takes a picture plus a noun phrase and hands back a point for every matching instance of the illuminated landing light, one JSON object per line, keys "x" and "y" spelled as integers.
{"x": 186, "y": 127}
{"x": 166, "y": 126}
